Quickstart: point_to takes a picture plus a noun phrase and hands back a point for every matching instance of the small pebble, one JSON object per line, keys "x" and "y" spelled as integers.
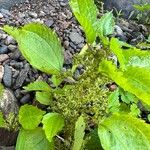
{"x": 3, "y": 57}
{"x": 9, "y": 40}
{"x": 25, "y": 99}
{"x": 33, "y": 14}
{"x": 3, "y": 49}
{"x": 1, "y": 16}
{"x": 7, "y": 78}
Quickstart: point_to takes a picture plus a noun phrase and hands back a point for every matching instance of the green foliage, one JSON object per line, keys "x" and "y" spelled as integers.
{"x": 52, "y": 124}
{"x": 2, "y": 121}
{"x": 33, "y": 140}
{"x": 124, "y": 132}
{"x": 133, "y": 72}
{"x": 92, "y": 141}
{"x": 86, "y": 13}
{"x": 38, "y": 86}
{"x": 43, "y": 91}
{"x": 40, "y": 46}
{"x": 43, "y": 97}
{"x": 30, "y": 116}
{"x": 79, "y": 134}
{"x": 105, "y": 25}
{"x": 144, "y": 7}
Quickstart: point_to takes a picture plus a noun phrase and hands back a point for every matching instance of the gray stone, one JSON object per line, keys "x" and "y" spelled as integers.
{"x": 9, "y": 40}
{"x": 49, "y": 23}
{"x": 8, "y": 103}
{"x": 22, "y": 76}
{"x": 76, "y": 38}
{"x": 9, "y": 107}
{"x": 3, "y": 49}
{"x": 7, "y": 79}
{"x": 7, "y": 147}
{"x": 3, "y": 57}
{"x": 9, "y": 3}
{"x": 25, "y": 99}
{"x": 33, "y": 14}
{"x": 1, "y": 16}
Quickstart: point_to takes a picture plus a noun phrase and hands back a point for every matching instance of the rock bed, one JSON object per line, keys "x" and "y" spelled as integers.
{"x": 16, "y": 72}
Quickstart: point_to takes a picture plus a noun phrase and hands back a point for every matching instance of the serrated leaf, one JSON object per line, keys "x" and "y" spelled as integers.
{"x": 2, "y": 121}
{"x": 105, "y": 25}
{"x": 134, "y": 79}
{"x": 38, "y": 86}
{"x": 135, "y": 111}
{"x": 79, "y": 134}
{"x": 33, "y": 140}
{"x": 127, "y": 97}
{"x": 52, "y": 124}
{"x": 30, "y": 116}
{"x": 113, "y": 101}
{"x": 44, "y": 97}
{"x": 130, "y": 56}
{"x": 40, "y": 46}
{"x": 56, "y": 80}
{"x": 124, "y": 132}
{"x": 86, "y": 13}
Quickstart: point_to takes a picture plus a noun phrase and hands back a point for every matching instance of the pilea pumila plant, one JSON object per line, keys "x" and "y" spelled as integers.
{"x": 82, "y": 113}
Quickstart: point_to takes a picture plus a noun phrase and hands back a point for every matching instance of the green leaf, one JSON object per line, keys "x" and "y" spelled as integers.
{"x": 56, "y": 80}
{"x": 40, "y": 46}
{"x": 145, "y": 7}
{"x": 2, "y": 121}
{"x": 52, "y": 124}
{"x": 44, "y": 97}
{"x": 130, "y": 56}
{"x": 30, "y": 116}
{"x": 86, "y": 13}
{"x": 92, "y": 141}
{"x": 135, "y": 111}
{"x": 38, "y": 86}
{"x": 113, "y": 102}
{"x": 134, "y": 79}
{"x": 105, "y": 25}
{"x": 33, "y": 140}
{"x": 124, "y": 132}
{"x": 79, "y": 134}
{"x": 127, "y": 97}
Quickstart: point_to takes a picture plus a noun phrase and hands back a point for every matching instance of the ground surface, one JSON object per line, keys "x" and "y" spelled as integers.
{"x": 16, "y": 72}
{"x": 8, "y": 3}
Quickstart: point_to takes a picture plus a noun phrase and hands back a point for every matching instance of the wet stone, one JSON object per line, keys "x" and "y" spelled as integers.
{"x": 7, "y": 79}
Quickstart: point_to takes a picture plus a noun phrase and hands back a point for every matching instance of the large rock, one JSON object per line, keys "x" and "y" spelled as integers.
{"x": 9, "y": 3}
{"x": 9, "y": 108}
{"x": 125, "y": 5}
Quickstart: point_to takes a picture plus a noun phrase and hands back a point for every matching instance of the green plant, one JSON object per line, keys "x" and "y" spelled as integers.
{"x": 84, "y": 103}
